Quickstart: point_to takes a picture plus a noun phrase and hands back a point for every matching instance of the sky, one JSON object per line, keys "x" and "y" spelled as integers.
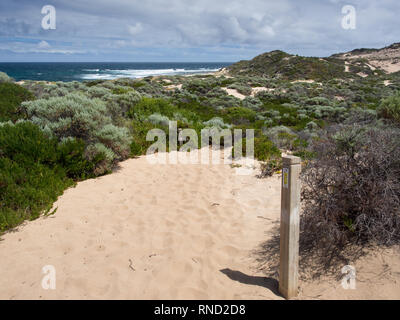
{"x": 191, "y": 31}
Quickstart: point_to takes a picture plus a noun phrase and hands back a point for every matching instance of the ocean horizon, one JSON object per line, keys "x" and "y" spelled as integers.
{"x": 81, "y": 71}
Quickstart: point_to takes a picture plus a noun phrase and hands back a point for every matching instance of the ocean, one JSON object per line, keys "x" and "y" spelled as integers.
{"x": 80, "y": 71}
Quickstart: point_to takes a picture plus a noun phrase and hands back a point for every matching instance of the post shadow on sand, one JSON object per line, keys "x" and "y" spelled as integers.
{"x": 266, "y": 282}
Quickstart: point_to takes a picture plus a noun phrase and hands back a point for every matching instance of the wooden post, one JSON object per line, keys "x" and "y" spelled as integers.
{"x": 289, "y": 232}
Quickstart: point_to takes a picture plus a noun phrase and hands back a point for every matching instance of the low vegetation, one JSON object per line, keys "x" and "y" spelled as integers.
{"x": 345, "y": 128}
{"x": 351, "y": 193}
{"x": 11, "y": 97}
{"x": 31, "y": 177}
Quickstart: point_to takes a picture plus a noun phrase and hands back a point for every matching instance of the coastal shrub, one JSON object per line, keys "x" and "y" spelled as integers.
{"x": 390, "y": 108}
{"x": 245, "y": 90}
{"x": 11, "y": 97}
{"x": 97, "y": 92}
{"x": 16, "y": 143}
{"x": 360, "y": 116}
{"x": 120, "y": 89}
{"x": 158, "y": 119}
{"x": 252, "y": 103}
{"x": 222, "y": 102}
{"x": 148, "y": 106}
{"x": 239, "y": 115}
{"x": 194, "y": 111}
{"x": 118, "y": 105}
{"x": 92, "y": 83}
{"x": 71, "y": 85}
{"x": 116, "y": 139}
{"x": 216, "y": 92}
{"x": 149, "y": 88}
{"x": 351, "y": 194}
{"x": 183, "y": 96}
{"x": 101, "y": 156}
{"x": 216, "y": 123}
{"x": 320, "y": 101}
{"x": 199, "y": 87}
{"x": 265, "y": 95}
{"x": 184, "y": 113}
{"x": 77, "y": 116}
{"x": 282, "y": 137}
{"x": 54, "y": 91}
{"x": 265, "y": 150}
{"x": 139, "y": 145}
{"x": 38, "y": 88}
{"x": 4, "y": 77}
{"x": 31, "y": 178}
{"x": 268, "y": 122}
{"x": 71, "y": 116}
{"x": 71, "y": 157}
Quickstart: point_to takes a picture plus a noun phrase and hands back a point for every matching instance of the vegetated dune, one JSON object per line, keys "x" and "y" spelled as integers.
{"x": 165, "y": 232}
{"x": 386, "y": 59}
{"x": 354, "y": 64}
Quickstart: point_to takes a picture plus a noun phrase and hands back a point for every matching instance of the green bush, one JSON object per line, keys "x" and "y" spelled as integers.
{"x": 252, "y": 103}
{"x": 390, "y": 108}
{"x": 149, "y": 106}
{"x": 265, "y": 150}
{"x": 30, "y": 177}
{"x": 243, "y": 89}
{"x": 11, "y": 97}
{"x": 139, "y": 144}
{"x": 157, "y": 108}
{"x": 239, "y": 115}
{"x": 71, "y": 156}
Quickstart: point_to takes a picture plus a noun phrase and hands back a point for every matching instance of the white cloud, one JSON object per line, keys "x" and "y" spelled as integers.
{"x": 44, "y": 45}
{"x": 136, "y": 29}
{"x": 237, "y": 28}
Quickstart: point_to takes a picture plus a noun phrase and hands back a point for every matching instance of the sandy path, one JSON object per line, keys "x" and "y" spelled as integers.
{"x": 147, "y": 232}
{"x": 166, "y": 232}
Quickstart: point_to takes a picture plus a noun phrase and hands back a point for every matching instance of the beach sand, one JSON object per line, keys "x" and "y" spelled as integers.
{"x": 162, "y": 232}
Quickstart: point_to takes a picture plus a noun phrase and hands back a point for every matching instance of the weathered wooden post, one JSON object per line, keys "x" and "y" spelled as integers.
{"x": 289, "y": 232}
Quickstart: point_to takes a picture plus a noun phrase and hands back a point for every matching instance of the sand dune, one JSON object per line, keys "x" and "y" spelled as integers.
{"x": 154, "y": 232}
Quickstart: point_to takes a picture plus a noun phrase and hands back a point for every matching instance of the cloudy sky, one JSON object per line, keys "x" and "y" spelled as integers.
{"x": 186, "y": 30}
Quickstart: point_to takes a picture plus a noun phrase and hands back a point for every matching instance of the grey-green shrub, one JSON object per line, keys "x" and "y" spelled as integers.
{"x": 97, "y": 92}
{"x": 159, "y": 119}
{"x": 281, "y": 136}
{"x": 116, "y": 139}
{"x": 4, "y": 77}
{"x": 98, "y": 150}
{"x": 319, "y": 101}
{"x": 243, "y": 89}
{"x": 252, "y": 103}
{"x": 119, "y": 104}
{"x": 75, "y": 115}
{"x": 216, "y": 122}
